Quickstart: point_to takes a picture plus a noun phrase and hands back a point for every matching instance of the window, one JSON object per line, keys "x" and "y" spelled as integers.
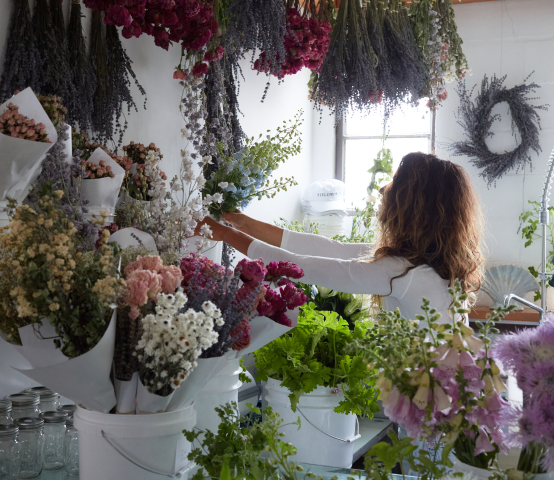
{"x": 359, "y": 139}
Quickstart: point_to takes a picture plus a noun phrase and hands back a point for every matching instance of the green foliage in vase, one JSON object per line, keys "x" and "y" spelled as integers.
{"x": 245, "y": 175}
{"x": 530, "y": 220}
{"x": 313, "y": 354}
{"x": 296, "y": 226}
{"x": 239, "y": 452}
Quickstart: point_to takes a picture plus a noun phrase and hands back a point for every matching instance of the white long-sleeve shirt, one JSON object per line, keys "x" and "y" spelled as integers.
{"x": 339, "y": 266}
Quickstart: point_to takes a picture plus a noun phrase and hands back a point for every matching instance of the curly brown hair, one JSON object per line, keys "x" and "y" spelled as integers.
{"x": 430, "y": 215}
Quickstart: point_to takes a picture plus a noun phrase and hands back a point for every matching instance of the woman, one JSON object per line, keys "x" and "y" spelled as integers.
{"x": 429, "y": 235}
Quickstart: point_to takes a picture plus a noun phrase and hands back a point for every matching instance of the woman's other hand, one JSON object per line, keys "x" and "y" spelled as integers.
{"x": 237, "y": 220}
{"x": 215, "y": 227}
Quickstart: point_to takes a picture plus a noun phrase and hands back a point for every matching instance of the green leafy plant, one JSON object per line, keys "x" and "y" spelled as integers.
{"x": 530, "y": 222}
{"x": 296, "y": 226}
{"x": 313, "y": 354}
{"x": 239, "y": 449}
{"x": 382, "y": 458}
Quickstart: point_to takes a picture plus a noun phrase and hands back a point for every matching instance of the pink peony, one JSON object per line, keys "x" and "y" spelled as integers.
{"x": 118, "y": 16}
{"x": 211, "y": 56}
{"x": 148, "y": 262}
{"x": 252, "y": 272}
{"x": 171, "y": 278}
{"x": 276, "y": 270}
{"x": 241, "y": 335}
{"x": 199, "y": 69}
{"x": 293, "y": 296}
{"x": 132, "y": 30}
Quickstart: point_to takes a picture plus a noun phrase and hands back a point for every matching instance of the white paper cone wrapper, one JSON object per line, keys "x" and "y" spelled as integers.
{"x": 68, "y": 147}
{"x": 102, "y": 193}
{"x": 85, "y": 379}
{"x": 150, "y": 403}
{"x": 20, "y": 160}
{"x": 12, "y": 381}
{"x": 126, "y": 392}
{"x": 189, "y": 389}
{"x": 125, "y": 239}
{"x": 263, "y": 330}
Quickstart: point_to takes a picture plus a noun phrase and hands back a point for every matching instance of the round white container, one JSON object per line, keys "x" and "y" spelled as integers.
{"x": 484, "y": 474}
{"x": 221, "y": 389}
{"x": 314, "y": 445}
{"x": 138, "y": 447}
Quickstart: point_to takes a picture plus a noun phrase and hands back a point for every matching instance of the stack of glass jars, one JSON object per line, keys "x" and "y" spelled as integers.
{"x": 36, "y": 434}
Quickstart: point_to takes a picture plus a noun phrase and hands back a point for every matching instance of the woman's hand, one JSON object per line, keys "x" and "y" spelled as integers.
{"x": 237, "y": 220}
{"x": 215, "y": 227}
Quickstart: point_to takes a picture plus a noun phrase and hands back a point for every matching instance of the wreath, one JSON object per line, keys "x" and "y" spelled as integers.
{"x": 476, "y": 119}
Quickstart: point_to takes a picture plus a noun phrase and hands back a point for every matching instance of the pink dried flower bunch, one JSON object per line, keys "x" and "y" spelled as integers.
{"x": 100, "y": 170}
{"x": 111, "y": 228}
{"x": 16, "y": 125}
{"x": 529, "y": 355}
{"x": 124, "y": 162}
{"x": 188, "y": 22}
{"x": 272, "y": 303}
{"x": 147, "y": 277}
{"x": 241, "y": 335}
{"x": 137, "y": 151}
{"x": 306, "y": 44}
{"x": 199, "y": 269}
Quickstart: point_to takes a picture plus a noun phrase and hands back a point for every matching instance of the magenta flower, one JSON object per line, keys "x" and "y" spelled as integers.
{"x": 241, "y": 335}
{"x": 293, "y": 296}
{"x": 252, "y": 272}
{"x": 118, "y": 16}
{"x": 276, "y": 270}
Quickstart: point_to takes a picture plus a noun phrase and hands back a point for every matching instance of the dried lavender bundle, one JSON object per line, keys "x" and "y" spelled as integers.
{"x": 119, "y": 72}
{"x": 102, "y": 123}
{"x": 230, "y": 74}
{"x": 82, "y": 74}
{"x": 476, "y": 119}
{"x": 410, "y": 75}
{"x": 259, "y": 25}
{"x": 62, "y": 175}
{"x": 53, "y": 72}
{"x": 348, "y": 76}
{"x": 127, "y": 335}
{"x": 20, "y": 64}
{"x": 375, "y": 20}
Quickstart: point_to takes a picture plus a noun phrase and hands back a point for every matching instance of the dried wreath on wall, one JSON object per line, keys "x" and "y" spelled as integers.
{"x": 476, "y": 119}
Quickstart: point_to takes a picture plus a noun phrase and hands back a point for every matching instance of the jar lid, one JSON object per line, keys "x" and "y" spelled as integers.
{"x": 53, "y": 417}
{"x": 8, "y": 430}
{"x": 43, "y": 392}
{"x": 28, "y": 423}
{"x": 69, "y": 422}
{"x": 5, "y": 406}
{"x": 69, "y": 409}
{"x": 23, "y": 400}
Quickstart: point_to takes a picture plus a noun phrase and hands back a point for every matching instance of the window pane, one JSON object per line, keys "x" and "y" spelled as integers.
{"x": 408, "y": 121}
{"x": 359, "y": 157}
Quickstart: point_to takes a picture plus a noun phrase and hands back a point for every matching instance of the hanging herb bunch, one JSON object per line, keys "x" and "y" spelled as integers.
{"x": 476, "y": 119}
{"x": 21, "y": 57}
{"x": 82, "y": 74}
{"x": 348, "y": 77}
{"x": 53, "y": 72}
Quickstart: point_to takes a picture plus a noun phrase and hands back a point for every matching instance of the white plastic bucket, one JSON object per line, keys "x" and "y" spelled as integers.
{"x": 137, "y": 447}
{"x": 221, "y": 389}
{"x": 332, "y": 442}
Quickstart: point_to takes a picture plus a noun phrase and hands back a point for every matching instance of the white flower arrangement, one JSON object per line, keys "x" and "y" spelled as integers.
{"x": 172, "y": 341}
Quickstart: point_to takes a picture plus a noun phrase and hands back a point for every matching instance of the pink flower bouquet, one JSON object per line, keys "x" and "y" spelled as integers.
{"x": 16, "y": 125}
{"x": 439, "y": 380}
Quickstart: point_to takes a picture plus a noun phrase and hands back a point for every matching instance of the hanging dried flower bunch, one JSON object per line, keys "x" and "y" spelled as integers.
{"x": 53, "y": 72}
{"x": 476, "y": 119}
{"x": 348, "y": 77}
{"x": 259, "y": 25}
{"x": 82, "y": 75}
{"x": 21, "y": 57}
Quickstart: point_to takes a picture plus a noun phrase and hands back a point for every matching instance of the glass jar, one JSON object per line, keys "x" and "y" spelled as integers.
{"x": 49, "y": 400}
{"x": 54, "y": 434}
{"x": 24, "y": 405}
{"x": 9, "y": 451}
{"x": 71, "y": 448}
{"x": 5, "y": 412}
{"x": 69, "y": 409}
{"x": 31, "y": 440}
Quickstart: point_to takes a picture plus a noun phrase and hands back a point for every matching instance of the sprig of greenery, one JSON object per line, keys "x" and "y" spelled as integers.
{"x": 314, "y": 354}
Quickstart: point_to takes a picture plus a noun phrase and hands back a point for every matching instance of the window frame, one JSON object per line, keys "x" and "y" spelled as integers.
{"x": 342, "y": 136}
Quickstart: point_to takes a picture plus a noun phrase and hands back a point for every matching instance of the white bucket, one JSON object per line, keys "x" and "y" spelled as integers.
{"x": 137, "y": 447}
{"x": 221, "y": 389}
{"x": 332, "y": 442}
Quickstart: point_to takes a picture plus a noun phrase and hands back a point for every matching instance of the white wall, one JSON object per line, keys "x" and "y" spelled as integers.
{"x": 161, "y": 122}
{"x": 513, "y": 38}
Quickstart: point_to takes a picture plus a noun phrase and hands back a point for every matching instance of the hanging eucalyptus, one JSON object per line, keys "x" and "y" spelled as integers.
{"x": 53, "y": 73}
{"x": 82, "y": 74}
{"x": 21, "y": 57}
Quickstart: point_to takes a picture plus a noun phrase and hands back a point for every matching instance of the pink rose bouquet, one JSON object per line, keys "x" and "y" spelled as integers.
{"x": 16, "y": 125}
{"x": 93, "y": 170}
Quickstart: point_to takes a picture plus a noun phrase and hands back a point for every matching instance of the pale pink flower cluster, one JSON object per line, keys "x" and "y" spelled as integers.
{"x": 147, "y": 277}
{"x": 16, "y": 125}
